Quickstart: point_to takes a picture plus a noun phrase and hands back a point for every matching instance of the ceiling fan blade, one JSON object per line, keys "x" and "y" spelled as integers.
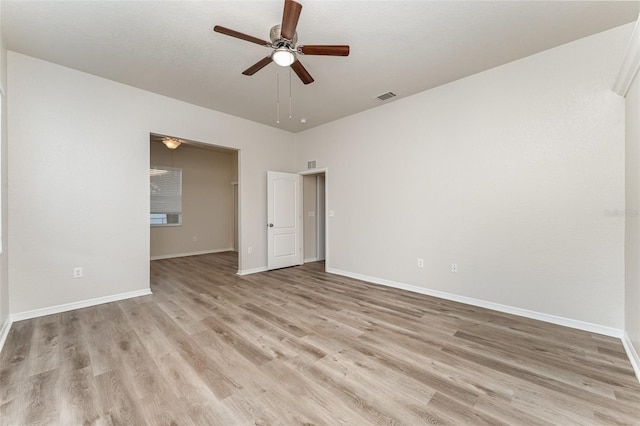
{"x": 290, "y": 17}
{"x": 257, "y": 66}
{"x": 337, "y": 50}
{"x": 301, "y": 72}
{"x": 241, "y": 36}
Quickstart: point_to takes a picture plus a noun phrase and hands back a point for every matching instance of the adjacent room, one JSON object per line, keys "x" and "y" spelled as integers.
{"x": 202, "y": 190}
{"x": 320, "y": 212}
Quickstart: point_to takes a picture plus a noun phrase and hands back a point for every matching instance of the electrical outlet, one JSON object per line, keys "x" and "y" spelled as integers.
{"x": 77, "y": 272}
{"x": 250, "y": 250}
{"x": 454, "y": 267}
{"x": 420, "y": 263}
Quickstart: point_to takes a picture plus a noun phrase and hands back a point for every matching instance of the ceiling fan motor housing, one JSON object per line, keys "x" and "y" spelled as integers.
{"x": 278, "y": 41}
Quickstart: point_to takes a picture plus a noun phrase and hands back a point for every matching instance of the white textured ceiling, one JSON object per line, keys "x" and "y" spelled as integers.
{"x": 168, "y": 47}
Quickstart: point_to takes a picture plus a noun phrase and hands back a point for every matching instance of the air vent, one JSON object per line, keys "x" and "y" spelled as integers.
{"x": 386, "y": 96}
{"x": 311, "y": 164}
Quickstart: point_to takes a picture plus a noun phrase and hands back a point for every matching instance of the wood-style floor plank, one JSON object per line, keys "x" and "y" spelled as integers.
{"x": 299, "y": 346}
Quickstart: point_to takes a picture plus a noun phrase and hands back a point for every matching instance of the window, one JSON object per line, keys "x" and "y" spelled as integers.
{"x": 166, "y": 196}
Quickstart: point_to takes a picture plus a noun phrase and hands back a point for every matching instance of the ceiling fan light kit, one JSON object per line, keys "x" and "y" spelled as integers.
{"x": 283, "y": 57}
{"x": 283, "y": 42}
{"x": 171, "y": 143}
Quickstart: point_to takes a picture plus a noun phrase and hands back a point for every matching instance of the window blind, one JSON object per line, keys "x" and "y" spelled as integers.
{"x": 166, "y": 189}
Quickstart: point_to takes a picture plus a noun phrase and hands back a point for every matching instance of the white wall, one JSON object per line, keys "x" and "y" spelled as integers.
{"x": 632, "y": 217}
{"x": 207, "y": 201}
{"x": 78, "y": 182}
{"x": 507, "y": 173}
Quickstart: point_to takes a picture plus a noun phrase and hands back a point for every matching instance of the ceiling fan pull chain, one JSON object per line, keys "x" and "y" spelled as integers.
{"x": 290, "y": 108}
{"x": 278, "y": 98}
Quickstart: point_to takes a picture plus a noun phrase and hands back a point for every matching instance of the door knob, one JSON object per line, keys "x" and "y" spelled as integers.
{"x": 271, "y": 225}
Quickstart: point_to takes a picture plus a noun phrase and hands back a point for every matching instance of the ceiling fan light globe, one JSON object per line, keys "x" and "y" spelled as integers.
{"x": 283, "y": 57}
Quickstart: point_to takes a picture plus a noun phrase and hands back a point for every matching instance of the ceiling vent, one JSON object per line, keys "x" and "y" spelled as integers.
{"x": 386, "y": 96}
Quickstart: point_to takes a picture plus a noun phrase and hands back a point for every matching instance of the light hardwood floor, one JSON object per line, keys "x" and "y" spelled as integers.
{"x": 300, "y": 346}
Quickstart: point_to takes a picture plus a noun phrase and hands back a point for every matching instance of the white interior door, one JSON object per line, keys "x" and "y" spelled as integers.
{"x": 284, "y": 220}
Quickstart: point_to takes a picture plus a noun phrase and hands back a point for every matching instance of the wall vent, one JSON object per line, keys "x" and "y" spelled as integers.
{"x": 311, "y": 164}
{"x": 386, "y": 96}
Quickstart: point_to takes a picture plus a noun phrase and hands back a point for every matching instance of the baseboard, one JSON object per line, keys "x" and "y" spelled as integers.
{"x": 311, "y": 259}
{"x": 191, "y": 253}
{"x": 252, "y": 271}
{"x": 77, "y": 305}
{"x": 567, "y": 322}
{"x": 4, "y": 332}
{"x": 632, "y": 354}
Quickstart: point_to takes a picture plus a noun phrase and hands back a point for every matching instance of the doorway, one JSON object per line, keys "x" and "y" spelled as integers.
{"x": 314, "y": 216}
{"x": 206, "y": 200}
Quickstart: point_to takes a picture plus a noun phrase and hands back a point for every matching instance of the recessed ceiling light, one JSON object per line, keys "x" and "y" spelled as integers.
{"x": 303, "y": 120}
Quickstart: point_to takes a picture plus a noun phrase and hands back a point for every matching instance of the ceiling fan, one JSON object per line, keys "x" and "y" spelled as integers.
{"x": 283, "y": 42}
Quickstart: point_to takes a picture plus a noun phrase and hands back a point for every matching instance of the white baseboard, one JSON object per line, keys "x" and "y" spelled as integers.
{"x": 252, "y": 271}
{"x": 632, "y": 354}
{"x": 4, "y": 332}
{"x": 191, "y": 253}
{"x": 311, "y": 259}
{"x": 77, "y": 305}
{"x": 567, "y": 322}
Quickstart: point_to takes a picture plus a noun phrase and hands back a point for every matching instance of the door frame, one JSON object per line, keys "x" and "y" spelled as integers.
{"x": 325, "y": 172}
{"x": 236, "y": 215}
{"x": 320, "y": 224}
